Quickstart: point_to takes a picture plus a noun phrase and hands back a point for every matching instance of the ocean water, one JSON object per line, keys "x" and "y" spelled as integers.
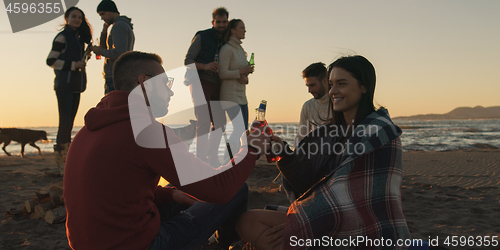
{"x": 443, "y": 135}
{"x": 418, "y": 135}
{"x": 432, "y": 135}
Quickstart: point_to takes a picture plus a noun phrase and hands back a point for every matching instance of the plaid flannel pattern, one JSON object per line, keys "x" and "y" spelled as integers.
{"x": 362, "y": 197}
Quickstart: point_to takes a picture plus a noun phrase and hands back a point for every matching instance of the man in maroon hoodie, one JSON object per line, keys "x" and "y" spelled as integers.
{"x": 110, "y": 182}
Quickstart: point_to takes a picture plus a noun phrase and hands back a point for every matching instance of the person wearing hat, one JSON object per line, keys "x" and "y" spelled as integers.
{"x": 120, "y": 40}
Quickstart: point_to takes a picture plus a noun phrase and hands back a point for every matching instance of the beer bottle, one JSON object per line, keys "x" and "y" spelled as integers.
{"x": 216, "y": 60}
{"x": 86, "y": 55}
{"x": 97, "y": 57}
{"x": 260, "y": 121}
{"x": 251, "y": 62}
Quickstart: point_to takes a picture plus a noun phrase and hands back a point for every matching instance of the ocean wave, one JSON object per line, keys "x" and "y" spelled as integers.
{"x": 405, "y": 127}
{"x": 472, "y": 130}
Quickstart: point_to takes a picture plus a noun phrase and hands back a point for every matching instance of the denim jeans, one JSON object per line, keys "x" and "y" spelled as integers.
{"x": 232, "y": 112}
{"x": 189, "y": 228}
{"x": 67, "y": 103}
{"x": 108, "y": 86}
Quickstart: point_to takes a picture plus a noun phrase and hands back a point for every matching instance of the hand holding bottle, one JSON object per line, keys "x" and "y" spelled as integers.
{"x": 213, "y": 66}
{"x": 260, "y": 122}
{"x": 257, "y": 139}
{"x": 278, "y": 141}
{"x": 97, "y": 49}
{"x": 105, "y": 27}
{"x": 246, "y": 70}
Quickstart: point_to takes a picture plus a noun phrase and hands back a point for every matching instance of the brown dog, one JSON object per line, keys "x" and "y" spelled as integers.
{"x": 22, "y": 136}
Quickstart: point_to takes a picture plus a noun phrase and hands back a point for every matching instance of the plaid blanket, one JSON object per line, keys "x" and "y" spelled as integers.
{"x": 360, "y": 200}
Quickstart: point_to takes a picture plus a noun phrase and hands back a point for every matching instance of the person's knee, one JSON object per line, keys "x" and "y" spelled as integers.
{"x": 244, "y": 188}
{"x": 243, "y": 191}
{"x": 245, "y": 226}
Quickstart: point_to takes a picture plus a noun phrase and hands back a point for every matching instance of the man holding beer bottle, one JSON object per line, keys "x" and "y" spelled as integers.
{"x": 204, "y": 54}
{"x": 120, "y": 40}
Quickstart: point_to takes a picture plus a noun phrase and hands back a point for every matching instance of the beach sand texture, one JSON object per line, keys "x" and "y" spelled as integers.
{"x": 453, "y": 193}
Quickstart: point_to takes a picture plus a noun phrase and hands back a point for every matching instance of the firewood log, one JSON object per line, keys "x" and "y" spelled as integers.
{"x": 42, "y": 194}
{"x": 41, "y": 209}
{"x": 55, "y": 196}
{"x": 30, "y": 205}
{"x": 56, "y": 215}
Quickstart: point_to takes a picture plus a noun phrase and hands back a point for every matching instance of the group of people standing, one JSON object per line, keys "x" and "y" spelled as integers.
{"x": 219, "y": 58}
{"x": 70, "y": 51}
{"x": 111, "y": 190}
{"x": 223, "y": 71}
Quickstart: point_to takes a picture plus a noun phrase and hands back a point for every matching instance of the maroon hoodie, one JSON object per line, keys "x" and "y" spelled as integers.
{"x": 110, "y": 183}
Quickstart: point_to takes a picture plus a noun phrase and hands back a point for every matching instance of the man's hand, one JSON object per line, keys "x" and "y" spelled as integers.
{"x": 213, "y": 66}
{"x": 80, "y": 65}
{"x": 96, "y": 49}
{"x": 182, "y": 198}
{"x": 278, "y": 140}
{"x": 259, "y": 139}
{"x": 88, "y": 52}
{"x": 105, "y": 27}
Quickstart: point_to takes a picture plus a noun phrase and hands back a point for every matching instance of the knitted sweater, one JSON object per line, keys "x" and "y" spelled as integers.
{"x": 314, "y": 113}
{"x": 232, "y": 59}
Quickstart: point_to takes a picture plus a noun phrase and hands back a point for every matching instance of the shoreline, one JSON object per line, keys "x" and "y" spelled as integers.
{"x": 14, "y": 149}
{"x": 450, "y": 193}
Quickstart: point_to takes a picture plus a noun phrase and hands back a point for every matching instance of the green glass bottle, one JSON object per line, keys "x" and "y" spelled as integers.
{"x": 251, "y": 62}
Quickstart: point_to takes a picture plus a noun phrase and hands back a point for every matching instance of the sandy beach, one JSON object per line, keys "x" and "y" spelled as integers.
{"x": 452, "y": 193}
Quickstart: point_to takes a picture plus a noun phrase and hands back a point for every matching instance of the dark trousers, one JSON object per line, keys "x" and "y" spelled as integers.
{"x": 189, "y": 228}
{"x": 211, "y": 119}
{"x": 233, "y": 112}
{"x": 67, "y": 103}
{"x": 108, "y": 85}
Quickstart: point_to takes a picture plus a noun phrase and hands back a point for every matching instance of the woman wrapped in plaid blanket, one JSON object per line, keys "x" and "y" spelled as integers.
{"x": 350, "y": 185}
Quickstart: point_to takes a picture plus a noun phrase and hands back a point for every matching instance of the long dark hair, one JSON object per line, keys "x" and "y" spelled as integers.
{"x": 85, "y": 30}
{"x": 363, "y": 71}
{"x": 232, "y": 25}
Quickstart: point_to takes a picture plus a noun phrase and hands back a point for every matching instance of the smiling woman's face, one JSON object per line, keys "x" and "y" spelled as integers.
{"x": 345, "y": 92}
{"x": 74, "y": 19}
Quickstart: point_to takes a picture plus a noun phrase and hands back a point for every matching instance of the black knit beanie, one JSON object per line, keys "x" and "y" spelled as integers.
{"x": 107, "y": 5}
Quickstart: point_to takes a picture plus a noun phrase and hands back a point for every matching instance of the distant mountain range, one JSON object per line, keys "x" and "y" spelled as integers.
{"x": 477, "y": 112}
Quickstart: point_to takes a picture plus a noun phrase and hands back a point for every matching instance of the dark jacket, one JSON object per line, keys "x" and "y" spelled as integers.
{"x": 210, "y": 46}
{"x": 204, "y": 47}
{"x": 312, "y": 159}
{"x": 67, "y": 79}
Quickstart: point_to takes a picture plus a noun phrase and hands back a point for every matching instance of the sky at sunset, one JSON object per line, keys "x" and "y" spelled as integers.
{"x": 430, "y": 56}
